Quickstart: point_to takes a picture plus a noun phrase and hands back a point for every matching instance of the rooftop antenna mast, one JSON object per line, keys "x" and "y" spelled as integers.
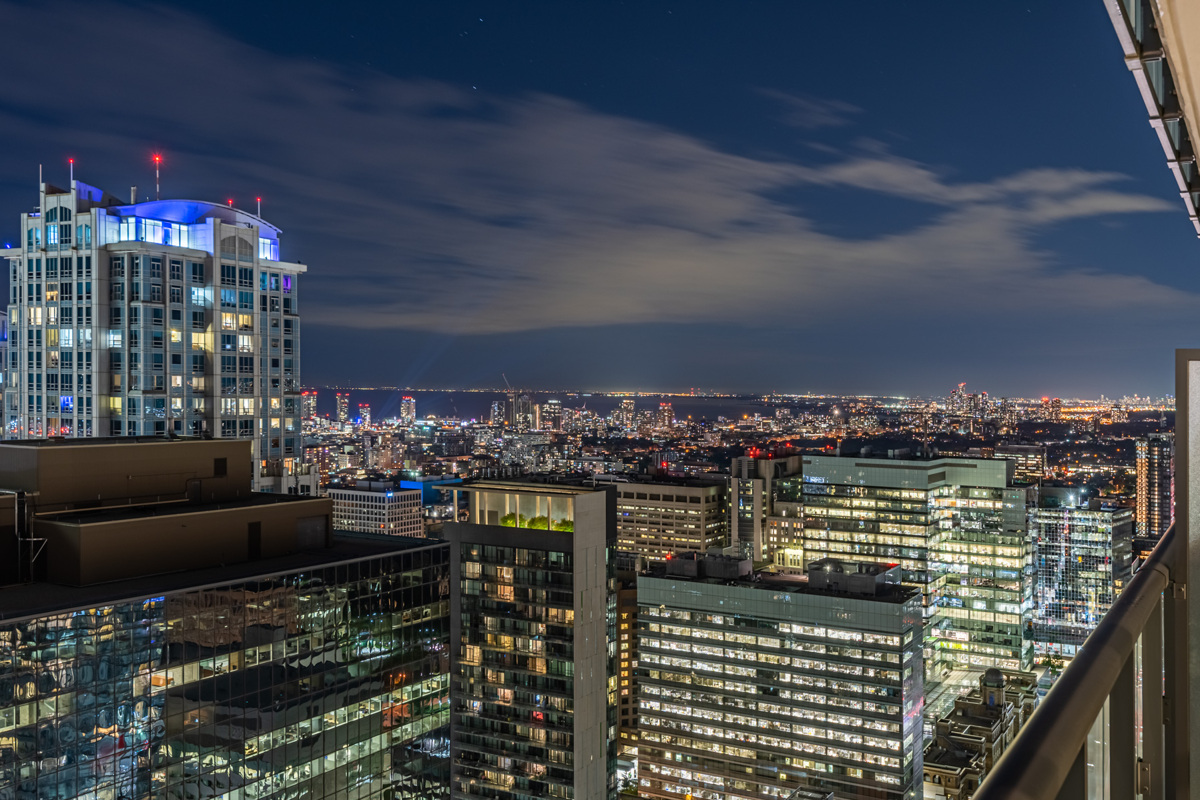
{"x": 259, "y": 199}
{"x": 71, "y": 161}
{"x": 157, "y": 164}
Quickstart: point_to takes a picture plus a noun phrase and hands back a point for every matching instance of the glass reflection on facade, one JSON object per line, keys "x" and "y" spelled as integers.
{"x": 330, "y": 681}
{"x": 1083, "y": 559}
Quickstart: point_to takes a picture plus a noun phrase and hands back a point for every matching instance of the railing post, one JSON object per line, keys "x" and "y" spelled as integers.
{"x": 1182, "y": 633}
{"x": 1075, "y": 786}
{"x": 1151, "y": 782}
{"x": 1122, "y": 735}
{"x": 1175, "y": 694}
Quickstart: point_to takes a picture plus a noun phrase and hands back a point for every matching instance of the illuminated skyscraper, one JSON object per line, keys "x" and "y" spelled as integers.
{"x": 753, "y": 684}
{"x": 364, "y": 415}
{"x": 343, "y": 407}
{"x": 1082, "y": 559}
{"x": 521, "y": 412}
{"x": 1155, "y": 463}
{"x": 408, "y": 410}
{"x": 666, "y": 416}
{"x": 308, "y": 404}
{"x": 625, "y": 416}
{"x": 171, "y": 316}
{"x": 533, "y": 638}
{"x": 552, "y": 415}
{"x": 958, "y": 530}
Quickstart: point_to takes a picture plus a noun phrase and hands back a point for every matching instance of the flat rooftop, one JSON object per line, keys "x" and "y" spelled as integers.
{"x": 97, "y": 441}
{"x": 895, "y": 593}
{"x": 22, "y": 601}
{"x": 531, "y": 488}
{"x": 166, "y": 509}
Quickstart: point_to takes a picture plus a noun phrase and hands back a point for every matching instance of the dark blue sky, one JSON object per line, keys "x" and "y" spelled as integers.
{"x": 869, "y": 197}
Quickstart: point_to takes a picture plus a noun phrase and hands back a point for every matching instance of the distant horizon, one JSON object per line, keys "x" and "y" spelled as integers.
{"x": 716, "y": 393}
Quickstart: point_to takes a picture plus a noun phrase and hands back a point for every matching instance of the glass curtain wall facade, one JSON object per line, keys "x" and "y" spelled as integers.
{"x": 751, "y": 691}
{"x": 986, "y": 555}
{"x": 956, "y": 529}
{"x": 1083, "y": 558}
{"x": 326, "y": 682}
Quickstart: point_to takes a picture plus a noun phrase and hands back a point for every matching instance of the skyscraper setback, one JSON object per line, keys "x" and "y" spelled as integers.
{"x": 159, "y": 317}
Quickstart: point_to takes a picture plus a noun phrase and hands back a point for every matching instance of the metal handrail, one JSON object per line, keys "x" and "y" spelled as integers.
{"x": 1036, "y": 765}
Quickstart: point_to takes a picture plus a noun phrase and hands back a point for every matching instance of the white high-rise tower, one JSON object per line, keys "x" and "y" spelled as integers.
{"x": 165, "y": 317}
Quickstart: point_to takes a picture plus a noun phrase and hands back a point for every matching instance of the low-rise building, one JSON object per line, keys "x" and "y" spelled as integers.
{"x": 377, "y": 507}
{"x": 969, "y": 740}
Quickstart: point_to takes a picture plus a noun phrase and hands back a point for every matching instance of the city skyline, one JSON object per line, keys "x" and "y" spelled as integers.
{"x": 595, "y": 197}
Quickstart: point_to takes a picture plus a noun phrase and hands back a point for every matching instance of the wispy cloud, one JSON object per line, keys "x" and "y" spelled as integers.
{"x": 422, "y": 206}
{"x": 809, "y": 113}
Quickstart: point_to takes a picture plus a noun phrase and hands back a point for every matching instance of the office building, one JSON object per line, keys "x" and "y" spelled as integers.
{"x": 364, "y": 415}
{"x": 343, "y": 407}
{"x": 533, "y": 636}
{"x": 308, "y": 404}
{"x": 378, "y": 507}
{"x": 751, "y": 500}
{"x": 784, "y": 535}
{"x": 1083, "y": 557}
{"x": 180, "y": 637}
{"x": 752, "y": 685}
{"x": 957, "y": 529}
{"x": 1155, "y": 465}
{"x": 1029, "y": 461}
{"x": 672, "y": 515}
{"x": 408, "y": 411}
{"x": 628, "y": 567}
{"x": 151, "y": 318}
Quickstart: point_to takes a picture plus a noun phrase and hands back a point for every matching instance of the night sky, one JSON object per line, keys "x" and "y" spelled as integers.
{"x": 864, "y": 197}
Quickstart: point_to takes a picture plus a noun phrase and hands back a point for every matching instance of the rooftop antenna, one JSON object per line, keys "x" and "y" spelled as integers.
{"x": 230, "y": 201}
{"x": 39, "y": 176}
{"x": 71, "y": 161}
{"x": 157, "y": 164}
{"x": 259, "y": 199}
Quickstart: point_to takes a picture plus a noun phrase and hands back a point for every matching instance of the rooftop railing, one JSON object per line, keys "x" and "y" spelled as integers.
{"x": 1109, "y": 727}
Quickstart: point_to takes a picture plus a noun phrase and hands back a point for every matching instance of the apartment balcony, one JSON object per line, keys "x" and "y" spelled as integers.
{"x": 1123, "y": 721}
